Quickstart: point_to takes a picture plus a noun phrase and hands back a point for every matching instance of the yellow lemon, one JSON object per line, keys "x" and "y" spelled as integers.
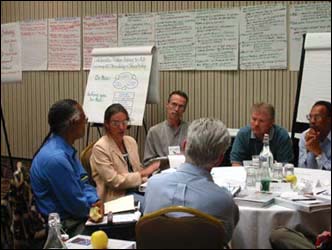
{"x": 99, "y": 240}
{"x": 292, "y": 179}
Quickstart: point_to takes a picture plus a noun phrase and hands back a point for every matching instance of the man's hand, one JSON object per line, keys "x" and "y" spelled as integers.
{"x": 323, "y": 239}
{"x": 312, "y": 142}
{"x": 96, "y": 213}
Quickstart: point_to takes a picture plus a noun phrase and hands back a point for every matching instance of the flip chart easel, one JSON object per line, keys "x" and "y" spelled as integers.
{"x": 125, "y": 75}
{"x": 314, "y": 82}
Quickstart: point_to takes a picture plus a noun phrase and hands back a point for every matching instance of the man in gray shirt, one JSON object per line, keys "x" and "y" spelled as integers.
{"x": 192, "y": 184}
{"x": 166, "y": 137}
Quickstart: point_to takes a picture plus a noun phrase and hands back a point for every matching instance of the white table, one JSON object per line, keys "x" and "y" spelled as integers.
{"x": 256, "y": 224}
{"x": 83, "y": 242}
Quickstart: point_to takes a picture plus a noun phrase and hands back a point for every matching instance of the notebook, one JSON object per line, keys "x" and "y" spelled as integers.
{"x": 122, "y": 204}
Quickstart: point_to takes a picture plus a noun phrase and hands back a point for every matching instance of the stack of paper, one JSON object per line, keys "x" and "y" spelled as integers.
{"x": 126, "y": 217}
{"x": 122, "y": 204}
{"x": 254, "y": 199}
{"x": 305, "y": 203}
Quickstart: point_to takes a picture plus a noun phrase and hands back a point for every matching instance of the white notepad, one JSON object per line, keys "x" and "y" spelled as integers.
{"x": 122, "y": 204}
{"x": 126, "y": 217}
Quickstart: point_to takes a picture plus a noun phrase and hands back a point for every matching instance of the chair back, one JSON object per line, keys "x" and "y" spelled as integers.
{"x": 197, "y": 230}
{"x": 85, "y": 160}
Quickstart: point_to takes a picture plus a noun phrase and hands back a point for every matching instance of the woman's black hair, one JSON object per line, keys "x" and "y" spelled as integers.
{"x": 59, "y": 117}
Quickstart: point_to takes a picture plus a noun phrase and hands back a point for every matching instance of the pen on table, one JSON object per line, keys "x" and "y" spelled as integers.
{"x": 320, "y": 192}
{"x": 304, "y": 199}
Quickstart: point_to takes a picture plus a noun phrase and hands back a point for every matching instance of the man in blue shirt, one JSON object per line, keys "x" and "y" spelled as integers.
{"x": 58, "y": 180}
{"x": 192, "y": 184}
{"x": 249, "y": 140}
{"x": 315, "y": 143}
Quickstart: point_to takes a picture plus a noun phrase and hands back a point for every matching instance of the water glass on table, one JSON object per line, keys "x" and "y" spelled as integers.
{"x": 288, "y": 169}
{"x": 250, "y": 177}
{"x": 277, "y": 171}
{"x": 257, "y": 165}
{"x": 265, "y": 185}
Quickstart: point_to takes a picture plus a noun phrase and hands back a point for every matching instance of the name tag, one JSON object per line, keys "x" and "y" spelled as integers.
{"x": 174, "y": 150}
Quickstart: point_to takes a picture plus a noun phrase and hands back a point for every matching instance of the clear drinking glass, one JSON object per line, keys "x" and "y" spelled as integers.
{"x": 250, "y": 177}
{"x": 288, "y": 169}
{"x": 277, "y": 171}
{"x": 255, "y": 158}
{"x": 257, "y": 165}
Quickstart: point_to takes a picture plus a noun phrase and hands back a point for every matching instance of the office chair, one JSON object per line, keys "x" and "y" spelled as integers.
{"x": 196, "y": 230}
{"x": 85, "y": 160}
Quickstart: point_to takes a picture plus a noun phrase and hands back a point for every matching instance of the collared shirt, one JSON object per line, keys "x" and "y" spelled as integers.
{"x": 309, "y": 160}
{"x": 59, "y": 181}
{"x": 192, "y": 186}
{"x": 246, "y": 145}
{"x": 161, "y": 136}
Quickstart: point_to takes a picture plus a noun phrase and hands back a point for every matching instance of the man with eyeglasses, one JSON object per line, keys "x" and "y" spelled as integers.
{"x": 315, "y": 143}
{"x": 166, "y": 137}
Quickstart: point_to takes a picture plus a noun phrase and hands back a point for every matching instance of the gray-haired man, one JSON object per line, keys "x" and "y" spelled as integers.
{"x": 192, "y": 184}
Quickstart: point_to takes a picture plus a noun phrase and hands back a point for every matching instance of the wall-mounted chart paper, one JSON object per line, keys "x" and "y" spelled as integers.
{"x": 64, "y": 44}
{"x": 263, "y": 37}
{"x": 306, "y": 18}
{"x": 118, "y": 75}
{"x": 11, "y": 61}
{"x": 137, "y": 29}
{"x": 217, "y": 39}
{"x": 34, "y": 45}
{"x": 98, "y": 32}
{"x": 175, "y": 40}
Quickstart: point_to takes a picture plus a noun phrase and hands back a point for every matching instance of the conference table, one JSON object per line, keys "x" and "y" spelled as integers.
{"x": 256, "y": 223}
{"x": 84, "y": 242}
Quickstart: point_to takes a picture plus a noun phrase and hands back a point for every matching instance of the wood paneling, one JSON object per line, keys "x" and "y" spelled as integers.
{"x": 227, "y": 95}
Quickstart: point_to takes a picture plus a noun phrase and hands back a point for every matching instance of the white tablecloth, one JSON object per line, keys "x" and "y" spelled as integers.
{"x": 83, "y": 242}
{"x": 256, "y": 224}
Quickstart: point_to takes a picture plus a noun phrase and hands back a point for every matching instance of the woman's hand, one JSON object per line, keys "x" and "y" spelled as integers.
{"x": 150, "y": 169}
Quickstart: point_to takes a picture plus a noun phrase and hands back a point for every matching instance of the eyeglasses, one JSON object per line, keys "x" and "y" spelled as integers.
{"x": 174, "y": 105}
{"x": 118, "y": 123}
{"x": 315, "y": 117}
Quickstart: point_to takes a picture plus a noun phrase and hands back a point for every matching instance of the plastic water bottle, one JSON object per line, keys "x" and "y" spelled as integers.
{"x": 266, "y": 154}
{"x": 54, "y": 234}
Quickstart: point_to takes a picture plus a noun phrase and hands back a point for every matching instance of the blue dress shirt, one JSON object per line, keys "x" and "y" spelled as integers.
{"x": 309, "y": 160}
{"x": 59, "y": 182}
{"x": 192, "y": 186}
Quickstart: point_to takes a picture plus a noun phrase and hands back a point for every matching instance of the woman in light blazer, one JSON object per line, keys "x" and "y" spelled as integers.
{"x": 115, "y": 163}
